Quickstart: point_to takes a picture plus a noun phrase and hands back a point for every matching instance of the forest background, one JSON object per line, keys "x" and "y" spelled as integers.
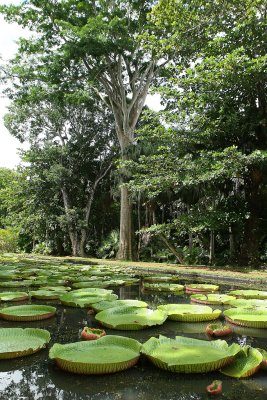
{"x": 105, "y": 175}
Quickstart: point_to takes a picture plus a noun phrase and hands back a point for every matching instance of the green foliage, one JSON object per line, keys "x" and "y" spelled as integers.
{"x": 8, "y": 240}
{"x": 109, "y": 246}
{"x": 42, "y": 248}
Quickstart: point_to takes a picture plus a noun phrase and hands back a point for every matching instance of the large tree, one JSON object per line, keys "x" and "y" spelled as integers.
{"x": 100, "y": 43}
{"x": 72, "y": 143}
{"x": 215, "y": 138}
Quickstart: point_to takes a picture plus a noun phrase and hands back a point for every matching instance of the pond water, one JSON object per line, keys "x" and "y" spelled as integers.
{"x": 36, "y": 377}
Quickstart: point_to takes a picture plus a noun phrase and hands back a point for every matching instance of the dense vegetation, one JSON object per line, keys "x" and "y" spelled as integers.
{"x": 105, "y": 175}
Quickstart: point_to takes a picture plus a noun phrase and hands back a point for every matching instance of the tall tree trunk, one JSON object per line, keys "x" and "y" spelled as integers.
{"x": 250, "y": 248}
{"x": 126, "y": 228}
{"x": 212, "y": 247}
{"x": 231, "y": 243}
{"x": 82, "y": 243}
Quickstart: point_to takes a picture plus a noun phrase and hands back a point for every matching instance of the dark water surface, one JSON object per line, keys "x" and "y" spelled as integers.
{"x": 36, "y": 377}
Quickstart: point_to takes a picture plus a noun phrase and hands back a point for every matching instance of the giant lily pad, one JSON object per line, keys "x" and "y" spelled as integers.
{"x": 212, "y": 298}
{"x": 249, "y": 294}
{"x": 91, "y": 284}
{"x": 248, "y": 303}
{"x": 201, "y": 287}
{"x": 18, "y": 342}
{"x": 190, "y": 312}
{"x": 251, "y": 317}
{"x": 106, "y": 355}
{"x": 27, "y": 312}
{"x": 14, "y": 284}
{"x": 85, "y": 298}
{"x": 247, "y": 362}
{"x": 189, "y": 355}
{"x": 130, "y": 318}
{"x": 160, "y": 278}
{"x": 164, "y": 287}
{"x": 264, "y": 359}
{"x": 47, "y": 294}
{"x": 105, "y": 304}
{"x": 13, "y": 296}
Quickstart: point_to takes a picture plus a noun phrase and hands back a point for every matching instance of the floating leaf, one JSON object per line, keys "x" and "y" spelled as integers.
{"x": 161, "y": 278}
{"x": 85, "y": 298}
{"x": 190, "y": 312}
{"x": 164, "y": 287}
{"x": 251, "y": 317}
{"x": 247, "y": 362}
{"x": 47, "y": 294}
{"x": 248, "y": 303}
{"x": 189, "y": 355}
{"x": 201, "y": 287}
{"x": 13, "y": 296}
{"x": 130, "y": 318}
{"x": 249, "y": 294}
{"x": 104, "y": 305}
{"x": 212, "y": 298}
{"x": 27, "y": 312}
{"x": 106, "y": 355}
{"x": 18, "y": 342}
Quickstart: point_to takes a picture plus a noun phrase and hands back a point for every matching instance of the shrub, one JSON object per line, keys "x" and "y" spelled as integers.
{"x": 8, "y": 240}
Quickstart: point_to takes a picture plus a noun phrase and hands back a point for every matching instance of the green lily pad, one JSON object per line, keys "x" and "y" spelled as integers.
{"x": 248, "y": 303}
{"x": 164, "y": 287}
{"x": 47, "y": 294}
{"x": 190, "y": 312}
{"x": 106, "y": 355}
{"x": 26, "y": 282}
{"x": 246, "y": 363}
{"x": 91, "y": 284}
{"x": 85, "y": 298}
{"x": 251, "y": 317}
{"x": 264, "y": 358}
{"x": 104, "y": 305}
{"x": 27, "y": 312}
{"x": 249, "y": 294}
{"x": 13, "y": 296}
{"x": 57, "y": 288}
{"x": 18, "y": 342}
{"x": 201, "y": 287}
{"x": 189, "y": 355}
{"x": 161, "y": 278}
{"x": 130, "y": 318}
{"x": 12, "y": 274}
{"x": 212, "y": 298}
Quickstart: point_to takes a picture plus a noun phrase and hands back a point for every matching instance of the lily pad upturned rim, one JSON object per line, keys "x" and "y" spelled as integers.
{"x": 250, "y": 317}
{"x": 14, "y": 338}
{"x": 164, "y": 287}
{"x": 105, "y": 304}
{"x": 161, "y": 352}
{"x": 130, "y": 318}
{"x": 201, "y": 288}
{"x": 96, "y": 356}
{"x": 211, "y": 298}
{"x": 27, "y": 312}
{"x": 85, "y": 298}
{"x": 13, "y": 296}
{"x": 190, "y": 312}
{"x": 247, "y": 303}
{"x": 247, "y": 362}
{"x": 218, "y": 329}
{"x": 249, "y": 294}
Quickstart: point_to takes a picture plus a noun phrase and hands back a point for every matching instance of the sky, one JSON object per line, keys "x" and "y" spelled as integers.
{"x": 9, "y": 145}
